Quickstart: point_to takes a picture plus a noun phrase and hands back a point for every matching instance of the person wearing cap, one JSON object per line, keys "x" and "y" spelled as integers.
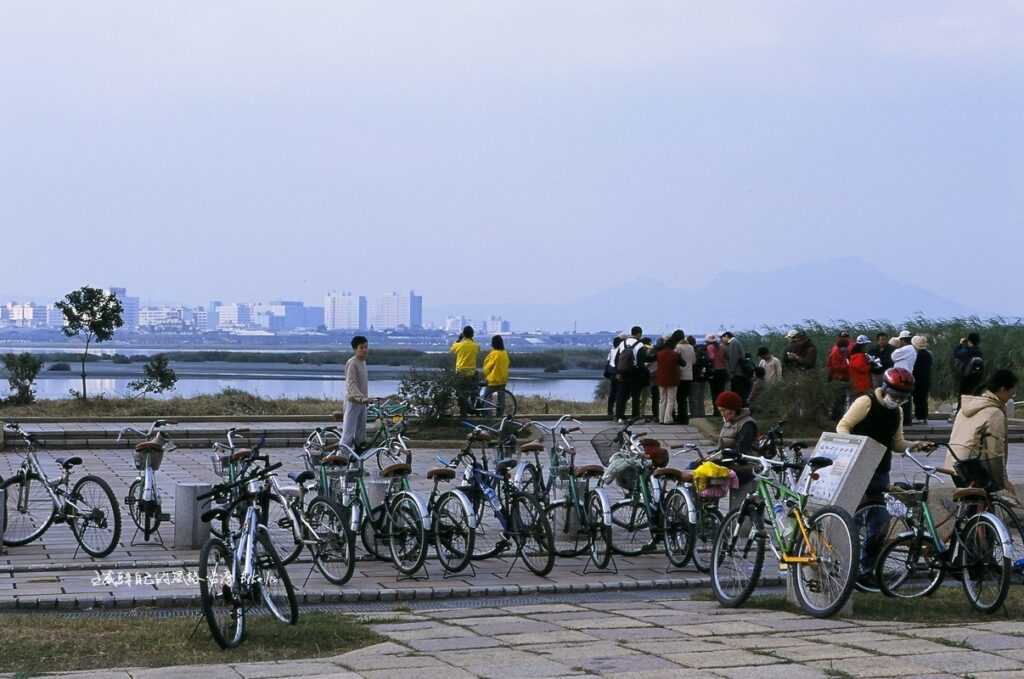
{"x": 719, "y": 369}
{"x": 861, "y": 367}
{"x": 904, "y": 356}
{"x": 878, "y": 414}
{"x": 922, "y": 377}
{"x": 800, "y": 352}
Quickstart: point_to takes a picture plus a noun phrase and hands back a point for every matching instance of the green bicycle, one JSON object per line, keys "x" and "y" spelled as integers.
{"x": 820, "y": 551}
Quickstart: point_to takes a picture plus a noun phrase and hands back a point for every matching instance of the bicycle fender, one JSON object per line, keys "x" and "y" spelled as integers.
{"x": 606, "y": 505}
{"x": 1004, "y": 535}
{"x": 420, "y": 505}
{"x": 691, "y": 503}
{"x": 467, "y": 505}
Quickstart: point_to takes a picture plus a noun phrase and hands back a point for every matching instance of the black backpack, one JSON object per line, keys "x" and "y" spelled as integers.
{"x": 702, "y": 368}
{"x": 747, "y": 366}
{"x": 625, "y": 360}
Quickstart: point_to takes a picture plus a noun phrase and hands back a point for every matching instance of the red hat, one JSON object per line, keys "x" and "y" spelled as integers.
{"x": 729, "y": 400}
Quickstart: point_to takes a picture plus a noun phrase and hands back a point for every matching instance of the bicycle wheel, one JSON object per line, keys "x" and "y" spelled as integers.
{"x": 334, "y": 547}
{"x": 280, "y": 527}
{"x": 219, "y": 591}
{"x": 26, "y": 524}
{"x": 373, "y": 535}
{"x": 600, "y": 532}
{"x": 908, "y": 568}
{"x": 532, "y": 532}
{"x": 679, "y": 534}
{"x": 133, "y": 501}
{"x": 874, "y": 515}
{"x": 510, "y": 403}
{"x": 275, "y": 587}
{"x": 738, "y": 556}
{"x": 709, "y": 522}
{"x": 96, "y": 520}
{"x": 631, "y": 527}
{"x": 489, "y": 539}
{"x": 822, "y": 586}
{"x": 570, "y": 529}
{"x": 453, "y": 536}
{"x": 532, "y": 482}
{"x": 985, "y": 563}
{"x": 407, "y": 538}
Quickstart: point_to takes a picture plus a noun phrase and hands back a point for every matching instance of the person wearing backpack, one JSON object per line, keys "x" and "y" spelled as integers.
{"x": 631, "y": 373}
{"x": 610, "y": 374}
{"x": 980, "y": 430}
{"x": 739, "y": 365}
{"x": 969, "y": 364}
{"x": 687, "y": 359}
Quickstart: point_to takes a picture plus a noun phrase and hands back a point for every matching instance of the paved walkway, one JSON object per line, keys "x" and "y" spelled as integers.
{"x": 651, "y": 639}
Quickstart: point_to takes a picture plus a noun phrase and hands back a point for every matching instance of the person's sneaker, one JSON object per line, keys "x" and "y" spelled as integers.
{"x": 620, "y": 421}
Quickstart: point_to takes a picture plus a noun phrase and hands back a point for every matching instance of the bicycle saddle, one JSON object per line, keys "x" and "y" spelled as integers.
{"x": 589, "y": 471}
{"x": 148, "y": 447}
{"x": 301, "y": 477}
{"x": 532, "y": 447}
{"x": 393, "y": 470}
{"x": 69, "y": 462}
{"x": 441, "y": 474}
{"x": 819, "y": 462}
{"x": 479, "y": 436}
{"x": 677, "y": 475}
{"x": 505, "y": 466}
{"x": 241, "y": 454}
{"x": 969, "y": 494}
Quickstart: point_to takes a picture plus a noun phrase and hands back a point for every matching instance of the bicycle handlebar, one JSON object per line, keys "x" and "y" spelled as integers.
{"x": 220, "y": 490}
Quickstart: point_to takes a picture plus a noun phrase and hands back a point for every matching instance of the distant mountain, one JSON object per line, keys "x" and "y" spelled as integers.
{"x": 837, "y": 289}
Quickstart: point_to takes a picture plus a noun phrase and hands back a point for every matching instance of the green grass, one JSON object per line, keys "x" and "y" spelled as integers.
{"x": 947, "y": 605}
{"x": 36, "y": 643}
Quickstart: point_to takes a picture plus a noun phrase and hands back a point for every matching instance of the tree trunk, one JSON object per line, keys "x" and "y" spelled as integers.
{"x": 85, "y": 354}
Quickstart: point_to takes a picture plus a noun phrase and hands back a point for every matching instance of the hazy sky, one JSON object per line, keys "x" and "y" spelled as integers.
{"x": 506, "y": 152}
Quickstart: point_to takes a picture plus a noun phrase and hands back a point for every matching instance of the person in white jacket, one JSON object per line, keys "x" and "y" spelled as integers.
{"x": 905, "y": 356}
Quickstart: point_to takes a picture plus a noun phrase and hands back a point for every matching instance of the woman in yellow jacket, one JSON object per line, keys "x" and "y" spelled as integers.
{"x": 496, "y": 366}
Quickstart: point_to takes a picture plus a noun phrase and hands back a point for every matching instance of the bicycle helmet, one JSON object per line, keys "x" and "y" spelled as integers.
{"x": 898, "y": 381}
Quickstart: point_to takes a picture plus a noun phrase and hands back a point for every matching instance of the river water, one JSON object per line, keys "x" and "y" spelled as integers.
{"x": 568, "y": 390}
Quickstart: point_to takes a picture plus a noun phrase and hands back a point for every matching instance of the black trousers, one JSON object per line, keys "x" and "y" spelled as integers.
{"x": 741, "y": 385}
{"x": 683, "y": 403}
{"x": 613, "y": 390}
{"x": 719, "y": 378}
{"x": 921, "y": 404}
{"x": 629, "y": 388}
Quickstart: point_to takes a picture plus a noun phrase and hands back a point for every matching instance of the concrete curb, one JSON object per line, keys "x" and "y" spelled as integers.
{"x": 348, "y": 596}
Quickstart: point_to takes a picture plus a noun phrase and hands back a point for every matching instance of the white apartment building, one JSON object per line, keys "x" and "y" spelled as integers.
{"x": 234, "y": 316}
{"x": 397, "y": 311}
{"x": 344, "y": 311}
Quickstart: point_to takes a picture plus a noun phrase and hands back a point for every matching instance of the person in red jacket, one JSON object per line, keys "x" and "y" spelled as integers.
{"x": 838, "y": 366}
{"x": 860, "y": 367}
{"x": 666, "y": 377}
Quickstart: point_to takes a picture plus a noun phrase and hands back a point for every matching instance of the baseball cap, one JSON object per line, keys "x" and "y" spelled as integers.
{"x": 905, "y": 334}
{"x": 863, "y": 339}
{"x": 792, "y": 333}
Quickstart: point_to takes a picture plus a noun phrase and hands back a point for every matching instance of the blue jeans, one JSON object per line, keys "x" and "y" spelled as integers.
{"x": 876, "y": 522}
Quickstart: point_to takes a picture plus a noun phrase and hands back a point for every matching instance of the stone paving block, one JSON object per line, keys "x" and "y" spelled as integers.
{"x": 817, "y": 652}
{"x": 963, "y": 662}
{"x": 990, "y": 641}
{"x": 562, "y": 636}
{"x": 625, "y": 663}
{"x": 441, "y": 672}
{"x": 205, "y": 671}
{"x": 680, "y": 673}
{"x": 517, "y": 626}
{"x": 873, "y": 667}
{"x": 432, "y": 632}
{"x": 786, "y": 671}
{"x": 1001, "y": 627}
{"x": 447, "y": 644}
{"x": 638, "y": 634}
{"x": 906, "y": 647}
{"x": 603, "y": 623}
{"x": 663, "y": 648}
{"x": 544, "y": 608}
{"x": 567, "y": 653}
{"x": 273, "y": 670}
{"x": 1007, "y": 674}
{"x": 721, "y": 629}
{"x": 722, "y": 658}
{"x": 380, "y": 661}
{"x": 759, "y": 641}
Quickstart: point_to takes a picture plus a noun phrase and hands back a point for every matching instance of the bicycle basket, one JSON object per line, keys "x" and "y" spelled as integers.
{"x": 156, "y": 458}
{"x": 716, "y": 487}
{"x": 606, "y": 443}
{"x": 220, "y": 464}
{"x": 976, "y": 472}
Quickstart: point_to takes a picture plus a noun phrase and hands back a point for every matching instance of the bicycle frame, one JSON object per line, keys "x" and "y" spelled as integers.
{"x": 55, "y": 489}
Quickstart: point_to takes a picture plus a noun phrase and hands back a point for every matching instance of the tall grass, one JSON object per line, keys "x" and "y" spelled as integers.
{"x": 1002, "y": 342}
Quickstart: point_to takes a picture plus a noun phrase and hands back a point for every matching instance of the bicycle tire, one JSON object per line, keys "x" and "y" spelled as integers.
{"x": 333, "y": 550}
{"x": 132, "y": 502}
{"x": 631, "y": 527}
{"x": 407, "y": 537}
{"x": 279, "y": 600}
{"x": 600, "y": 532}
{"x": 570, "y": 530}
{"x": 103, "y": 516}
{"x": 489, "y": 539}
{"x": 894, "y": 526}
{"x": 743, "y": 529}
{"x": 373, "y": 533}
{"x": 908, "y": 568}
{"x": 532, "y": 533}
{"x": 1005, "y": 512}
{"x": 226, "y": 621}
{"x": 709, "y": 522}
{"x": 511, "y": 407}
{"x": 39, "y": 514}
{"x": 277, "y": 521}
{"x": 453, "y": 536}
{"x": 532, "y": 482}
{"x": 978, "y": 559}
{"x": 678, "y": 533}
{"x": 838, "y": 552}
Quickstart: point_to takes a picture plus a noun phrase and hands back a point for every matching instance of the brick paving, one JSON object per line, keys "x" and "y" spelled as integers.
{"x": 649, "y": 638}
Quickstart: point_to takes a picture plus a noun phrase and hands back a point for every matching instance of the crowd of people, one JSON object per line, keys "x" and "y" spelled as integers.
{"x": 676, "y": 373}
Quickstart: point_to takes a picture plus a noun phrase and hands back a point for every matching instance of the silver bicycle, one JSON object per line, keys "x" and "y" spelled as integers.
{"x": 144, "y": 500}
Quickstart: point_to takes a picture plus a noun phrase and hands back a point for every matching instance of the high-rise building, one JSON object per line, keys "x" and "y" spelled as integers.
{"x": 26, "y": 315}
{"x": 54, "y": 316}
{"x": 164, "y": 318}
{"x": 344, "y": 311}
{"x": 279, "y": 315}
{"x": 397, "y": 311}
{"x": 234, "y": 316}
{"x": 212, "y": 315}
{"x": 130, "y": 306}
{"x": 200, "y": 319}
{"x": 314, "y": 317}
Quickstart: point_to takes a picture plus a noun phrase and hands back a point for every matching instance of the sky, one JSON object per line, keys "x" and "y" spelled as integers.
{"x": 506, "y": 152}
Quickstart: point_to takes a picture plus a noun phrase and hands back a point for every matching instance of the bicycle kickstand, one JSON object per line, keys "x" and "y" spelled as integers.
{"x": 612, "y": 567}
{"x": 449, "y": 574}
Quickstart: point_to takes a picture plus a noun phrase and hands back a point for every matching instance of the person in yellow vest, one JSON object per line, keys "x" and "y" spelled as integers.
{"x": 496, "y": 365}
{"x": 466, "y": 351}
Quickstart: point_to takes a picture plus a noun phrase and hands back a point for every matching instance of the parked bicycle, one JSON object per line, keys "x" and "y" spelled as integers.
{"x": 978, "y": 551}
{"x": 580, "y": 515}
{"x": 242, "y": 570}
{"x": 145, "y": 500}
{"x": 820, "y": 550}
{"x": 649, "y": 512}
{"x": 35, "y": 502}
{"x": 522, "y": 525}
